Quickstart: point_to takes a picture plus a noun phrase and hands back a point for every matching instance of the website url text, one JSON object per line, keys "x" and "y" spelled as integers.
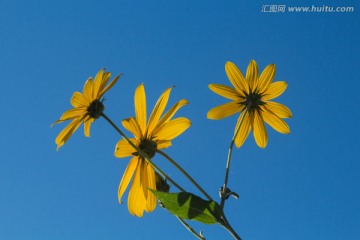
{"x": 303, "y": 9}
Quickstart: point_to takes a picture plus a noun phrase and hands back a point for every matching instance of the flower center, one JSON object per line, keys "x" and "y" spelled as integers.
{"x": 95, "y": 109}
{"x": 253, "y": 101}
{"x": 148, "y": 146}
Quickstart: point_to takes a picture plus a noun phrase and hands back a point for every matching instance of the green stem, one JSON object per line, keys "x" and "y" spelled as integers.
{"x": 188, "y": 227}
{"x": 228, "y": 227}
{"x": 141, "y": 153}
{"x": 225, "y": 224}
{"x": 185, "y": 173}
{"x": 223, "y": 193}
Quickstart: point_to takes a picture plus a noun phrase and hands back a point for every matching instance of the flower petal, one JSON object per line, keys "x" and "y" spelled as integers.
{"x": 66, "y": 133}
{"x": 275, "y": 90}
{"x": 252, "y": 75}
{"x": 105, "y": 79}
{"x": 124, "y": 149}
{"x": 132, "y": 126}
{"x": 108, "y": 87}
{"x": 97, "y": 83}
{"x": 140, "y": 107}
{"x": 151, "y": 198}
{"x": 259, "y": 130}
{"x": 236, "y": 78}
{"x": 136, "y": 198}
{"x": 225, "y": 91}
{"x": 266, "y": 78}
{"x": 224, "y": 110}
{"x": 244, "y": 129}
{"x": 169, "y": 114}
{"x": 274, "y": 121}
{"x": 158, "y": 110}
{"x": 125, "y": 180}
{"x": 87, "y": 124}
{"x": 144, "y": 178}
{"x": 78, "y": 100}
{"x": 162, "y": 144}
{"x": 172, "y": 129}
{"x": 280, "y": 110}
{"x": 88, "y": 90}
{"x": 71, "y": 114}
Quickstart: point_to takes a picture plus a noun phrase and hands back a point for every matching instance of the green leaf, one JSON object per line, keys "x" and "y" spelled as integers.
{"x": 189, "y": 206}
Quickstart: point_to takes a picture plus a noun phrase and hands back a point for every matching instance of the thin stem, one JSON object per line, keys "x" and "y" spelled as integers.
{"x": 225, "y": 223}
{"x": 224, "y": 189}
{"x": 228, "y": 227}
{"x": 188, "y": 227}
{"x": 142, "y": 153}
{"x": 185, "y": 173}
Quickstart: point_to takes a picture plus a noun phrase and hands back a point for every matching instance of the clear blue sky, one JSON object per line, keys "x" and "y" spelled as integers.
{"x": 302, "y": 186}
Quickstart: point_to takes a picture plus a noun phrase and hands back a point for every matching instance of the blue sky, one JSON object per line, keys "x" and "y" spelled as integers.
{"x": 302, "y": 186}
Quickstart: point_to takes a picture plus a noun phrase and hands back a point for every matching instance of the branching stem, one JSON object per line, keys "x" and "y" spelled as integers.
{"x": 224, "y": 189}
{"x": 225, "y": 223}
{"x": 188, "y": 227}
{"x": 185, "y": 173}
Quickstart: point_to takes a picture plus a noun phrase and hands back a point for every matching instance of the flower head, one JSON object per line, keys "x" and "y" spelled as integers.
{"x": 87, "y": 106}
{"x": 251, "y": 96}
{"x": 156, "y": 134}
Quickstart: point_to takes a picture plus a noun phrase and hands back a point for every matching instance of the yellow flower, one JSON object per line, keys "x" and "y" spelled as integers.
{"x": 88, "y": 106}
{"x": 149, "y": 137}
{"x": 252, "y": 94}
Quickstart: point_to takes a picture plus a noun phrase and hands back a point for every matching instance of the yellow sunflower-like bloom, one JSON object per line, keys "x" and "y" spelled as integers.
{"x": 88, "y": 106}
{"x": 156, "y": 134}
{"x": 252, "y": 94}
